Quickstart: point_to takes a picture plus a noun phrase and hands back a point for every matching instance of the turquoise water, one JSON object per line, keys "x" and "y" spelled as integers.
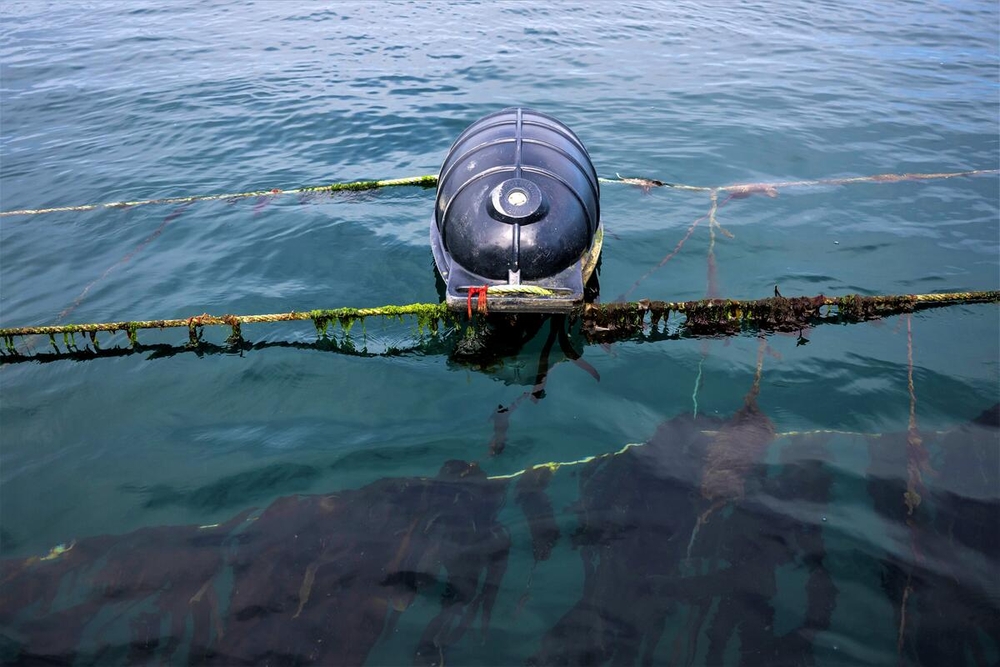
{"x": 121, "y": 101}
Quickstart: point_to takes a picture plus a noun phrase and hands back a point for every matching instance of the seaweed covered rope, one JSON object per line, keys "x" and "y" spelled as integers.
{"x": 602, "y": 321}
{"x": 778, "y": 313}
{"x": 428, "y": 315}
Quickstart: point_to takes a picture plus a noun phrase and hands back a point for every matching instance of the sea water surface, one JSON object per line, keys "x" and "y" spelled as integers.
{"x": 356, "y": 521}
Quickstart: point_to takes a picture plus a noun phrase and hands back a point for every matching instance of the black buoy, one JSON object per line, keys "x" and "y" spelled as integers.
{"x": 518, "y": 211}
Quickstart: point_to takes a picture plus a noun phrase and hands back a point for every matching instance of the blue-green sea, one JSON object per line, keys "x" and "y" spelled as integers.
{"x": 336, "y": 501}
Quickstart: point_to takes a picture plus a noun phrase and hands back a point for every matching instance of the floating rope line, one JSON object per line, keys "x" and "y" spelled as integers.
{"x": 771, "y": 188}
{"x": 708, "y": 317}
{"x": 430, "y": 180}
{"x": 427, "y": 314}
{"x": 744, "y": 190}
{"x": 667, "y": 258}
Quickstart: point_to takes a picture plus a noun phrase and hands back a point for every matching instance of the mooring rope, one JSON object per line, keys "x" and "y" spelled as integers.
{"x": 348, "y": 186}
{"x": 555, "y": 465}
{"x": 705, "y": 317}
{"x": 427, "y": 314}
{"x": 770, "y": 188}
{"x": 430, "y": 180}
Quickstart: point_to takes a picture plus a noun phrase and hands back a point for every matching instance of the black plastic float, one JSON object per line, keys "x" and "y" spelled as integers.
{"x": 517, "y": 211}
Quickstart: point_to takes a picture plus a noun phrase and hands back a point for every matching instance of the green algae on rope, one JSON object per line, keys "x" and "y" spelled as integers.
{"x": 428, "y": 181}
{"x": 602, "y": 322}
{"x": 429, "y": 317}
{"x": 720, "y": 317}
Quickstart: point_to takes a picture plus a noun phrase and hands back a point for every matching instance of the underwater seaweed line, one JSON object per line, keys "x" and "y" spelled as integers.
{"x": 917, "y": 458}
{"x": 697, "y": 387}
{"x": 901, "y": 635}
{"x": 501, "y": 417}
{"x": 825, "y": 431}
{"x": 123, "y": 260}
{"x": 708, "y": 317}
{"x": 713, "y": 225}
{"x": 712, "y": 290}
{"x": 555, "y": 465}
{"x": 430, "y": 180}
{"x": 909, "y": 373}
{"x": 666, "y": 258}
{"x": 721, "y": 482}
{"x": 911, "y": 498}
{"x": 751, "y": 397}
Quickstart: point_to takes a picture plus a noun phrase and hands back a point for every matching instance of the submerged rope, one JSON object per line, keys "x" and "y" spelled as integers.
{"x": 705, "y": 317}
{"x": 555, "y": 465}
{"x": 430, "y": 180}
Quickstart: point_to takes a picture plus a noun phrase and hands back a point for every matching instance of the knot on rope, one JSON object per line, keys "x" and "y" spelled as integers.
{"x": 480, "y": 294}
{"x": 194, "y": 328}
{"x": 236, "y": 337}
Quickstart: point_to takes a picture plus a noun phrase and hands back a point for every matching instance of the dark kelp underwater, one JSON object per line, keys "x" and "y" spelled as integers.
{"x": 238, "y": 426}
{"x": 681, "y": 540}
